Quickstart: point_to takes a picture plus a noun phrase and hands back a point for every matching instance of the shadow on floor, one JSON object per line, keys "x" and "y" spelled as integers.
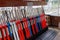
{"x": 48, "y": 35}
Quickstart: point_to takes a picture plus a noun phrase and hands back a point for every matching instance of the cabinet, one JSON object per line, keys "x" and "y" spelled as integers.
{"x": 53, "y": 21}
{"x": 48, "y": 20}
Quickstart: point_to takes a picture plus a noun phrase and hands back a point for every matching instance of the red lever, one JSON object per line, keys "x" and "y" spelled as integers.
{"x": 7, "y": 33}
{"x": 35, "y": 25}
{"x": 3, "y": 33}
{"x": 25, "y": 24}
{"x": 32, "y": 24}
{"x": 0, "y": 32}
{"x": 20, "y": 30}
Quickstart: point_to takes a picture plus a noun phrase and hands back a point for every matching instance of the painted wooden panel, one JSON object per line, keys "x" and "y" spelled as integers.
{"x": 5, "y": 3}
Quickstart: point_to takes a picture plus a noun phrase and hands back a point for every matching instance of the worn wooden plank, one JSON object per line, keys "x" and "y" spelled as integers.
{"x": 6, "y": 3}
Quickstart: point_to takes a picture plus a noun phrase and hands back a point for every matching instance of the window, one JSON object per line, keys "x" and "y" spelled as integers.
{"x": 52, "y": 8}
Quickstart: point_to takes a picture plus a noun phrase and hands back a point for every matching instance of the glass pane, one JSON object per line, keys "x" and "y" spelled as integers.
{"x": 51, "y": 8}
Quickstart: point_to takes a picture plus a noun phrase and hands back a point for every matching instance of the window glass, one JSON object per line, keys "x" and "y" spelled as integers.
{"x": 52, "y": 7}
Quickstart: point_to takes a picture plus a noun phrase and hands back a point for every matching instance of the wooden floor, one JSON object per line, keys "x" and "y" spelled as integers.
{"x": 58, "y": 35}
{"x": 51, "y": 34}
